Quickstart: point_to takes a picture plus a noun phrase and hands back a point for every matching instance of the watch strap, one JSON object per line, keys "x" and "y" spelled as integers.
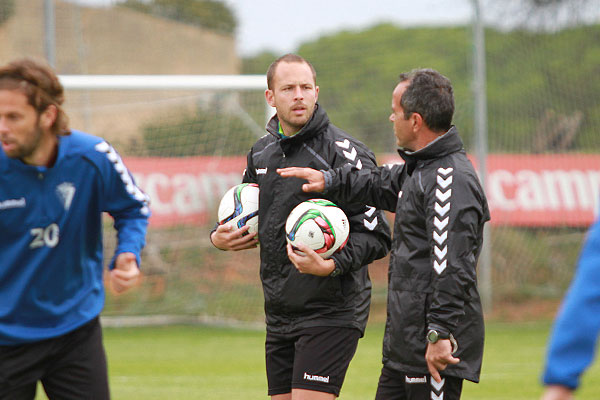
{"x": 336, "y": 270}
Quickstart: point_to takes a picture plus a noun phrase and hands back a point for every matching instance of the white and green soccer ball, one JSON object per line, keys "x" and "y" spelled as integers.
{"x": 319, "y": 224}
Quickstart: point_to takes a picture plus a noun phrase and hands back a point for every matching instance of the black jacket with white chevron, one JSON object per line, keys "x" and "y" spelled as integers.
{"x": 293, "y": 300}
{"x": 438, "y": 233}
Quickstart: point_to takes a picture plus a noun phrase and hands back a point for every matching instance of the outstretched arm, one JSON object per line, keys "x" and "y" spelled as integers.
{"x": 316, "y": 180}
{"x": 369, "y": 232}
{"x": 376, "y": 186}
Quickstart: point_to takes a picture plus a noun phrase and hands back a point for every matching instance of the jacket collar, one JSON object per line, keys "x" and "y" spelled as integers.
{"x": 446, "y": 144}
{"x": 317, "y": 123}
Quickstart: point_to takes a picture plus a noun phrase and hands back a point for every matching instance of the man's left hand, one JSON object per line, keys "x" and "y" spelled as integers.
{"x": 557, "y": 392}
{"x": 310, "y": 262}
{"x": 438, "y": 356}
{"x": 126, "y": 273}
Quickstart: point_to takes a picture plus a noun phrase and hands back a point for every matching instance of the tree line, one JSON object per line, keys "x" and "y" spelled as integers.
{"x": 542, "y": 95}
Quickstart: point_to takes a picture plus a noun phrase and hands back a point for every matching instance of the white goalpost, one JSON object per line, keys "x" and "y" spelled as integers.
{"x": 167, "y": 82}
{"x": 163, "y": 82}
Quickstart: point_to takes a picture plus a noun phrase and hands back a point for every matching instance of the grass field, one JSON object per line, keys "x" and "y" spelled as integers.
{"x": 199, "y": 362}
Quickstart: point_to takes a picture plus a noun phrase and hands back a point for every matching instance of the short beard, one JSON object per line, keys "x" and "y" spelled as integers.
{"x": 29, "y": 148}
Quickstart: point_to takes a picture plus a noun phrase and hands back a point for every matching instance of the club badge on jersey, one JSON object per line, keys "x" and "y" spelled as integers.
{"x": 65, "y": 192}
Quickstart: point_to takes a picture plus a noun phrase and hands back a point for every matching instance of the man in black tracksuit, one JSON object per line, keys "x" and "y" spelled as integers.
{"x": 434, "y": 331}
{"x": 316, "y": 310}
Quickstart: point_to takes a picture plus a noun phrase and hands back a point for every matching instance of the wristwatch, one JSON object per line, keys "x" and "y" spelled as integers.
{"x": 433, "y": 336}
{"x": 336, "y": 271}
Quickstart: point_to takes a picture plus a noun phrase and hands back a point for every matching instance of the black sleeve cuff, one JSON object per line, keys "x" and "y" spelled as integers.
{"x": 440, "y": 329}
{"x": 327, "y": 175}
{"x": 210, "y": 236}
{"x": 337, "y": 270}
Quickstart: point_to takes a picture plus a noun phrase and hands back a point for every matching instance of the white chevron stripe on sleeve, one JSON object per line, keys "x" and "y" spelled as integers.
{"x": 441, "y": 221}
{"x": 439, "y": 267}
{"x": 370, "y": 225}
{"x": 440, "y": 253}
{"x": 344, "y": 145}
{"x": 440, "y": 238}
{"x": 440, "y": 225}
{"x": 444, "y": 183}
{"x": 445, "y": 171}
{"x": 443, "y": 196}
{"x": 351, "y": 155}
{"x": 441, "y": 211}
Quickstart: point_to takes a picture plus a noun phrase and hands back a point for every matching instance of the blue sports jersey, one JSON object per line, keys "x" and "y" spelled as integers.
{"x": 575, "y": 333}
{"x": 51, "y": 264}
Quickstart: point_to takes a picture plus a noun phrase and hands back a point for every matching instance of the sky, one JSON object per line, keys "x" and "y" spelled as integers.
{"x": 281, "y": 26}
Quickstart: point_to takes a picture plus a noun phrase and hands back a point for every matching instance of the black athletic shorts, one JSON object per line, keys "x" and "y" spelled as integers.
{"x": 394, "y": 385}
{"x": 312, "y": 358}
{"x": 70, "y": 367}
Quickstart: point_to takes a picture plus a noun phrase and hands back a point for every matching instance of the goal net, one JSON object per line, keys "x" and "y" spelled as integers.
{"x": 185, "y": 140}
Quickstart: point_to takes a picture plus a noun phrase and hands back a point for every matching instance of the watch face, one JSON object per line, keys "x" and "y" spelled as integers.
{"x": 432, "y": 336}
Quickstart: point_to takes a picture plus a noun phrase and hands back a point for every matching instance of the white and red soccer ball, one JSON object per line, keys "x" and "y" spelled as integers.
{"x": 319, "y": 224}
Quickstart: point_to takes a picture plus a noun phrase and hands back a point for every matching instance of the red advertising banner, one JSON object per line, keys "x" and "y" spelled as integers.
{"x": 541, "y": 190}
{"x": 522, "y": 190}
{"x": 185, "y": 190}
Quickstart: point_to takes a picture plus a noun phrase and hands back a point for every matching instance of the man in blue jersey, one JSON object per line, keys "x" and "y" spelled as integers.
{"x": 577, "y": 327}
{"x": 55, "y": 183}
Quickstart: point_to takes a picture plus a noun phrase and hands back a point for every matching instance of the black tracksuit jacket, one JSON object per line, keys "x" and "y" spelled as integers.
{"x": 438, "y": 233}
{"x": 293, "y": 300}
